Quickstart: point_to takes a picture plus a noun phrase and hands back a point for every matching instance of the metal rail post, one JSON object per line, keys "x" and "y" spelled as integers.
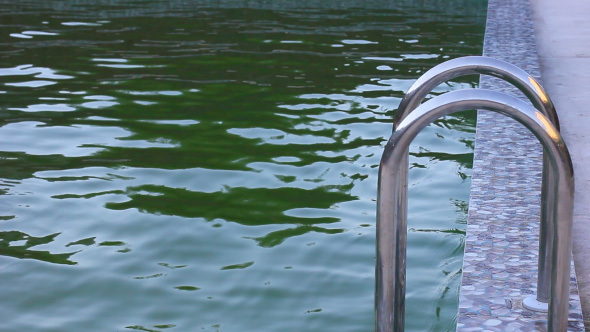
{"x": 392, "y": 210}
{"x": 471, "y": 65}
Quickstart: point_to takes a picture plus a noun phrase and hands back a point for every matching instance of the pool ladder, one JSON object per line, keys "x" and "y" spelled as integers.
{"x": 557, "y": 190}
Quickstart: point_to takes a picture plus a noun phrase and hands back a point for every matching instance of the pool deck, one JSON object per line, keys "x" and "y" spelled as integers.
{"x": 501, "y": 250}
{"x": 562, "y": 33}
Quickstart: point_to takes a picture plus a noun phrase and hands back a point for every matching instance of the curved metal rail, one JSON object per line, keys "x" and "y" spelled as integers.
{"x": 471, "y": 65}
{"x": 392, "y": 207}
{"x": 536, "y": 94}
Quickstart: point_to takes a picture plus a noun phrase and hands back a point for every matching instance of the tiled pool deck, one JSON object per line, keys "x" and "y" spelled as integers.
{"x": 501, "y": 251}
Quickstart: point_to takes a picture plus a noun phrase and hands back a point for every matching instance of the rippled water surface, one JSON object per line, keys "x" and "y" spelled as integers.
{"x": 212, "y": 165}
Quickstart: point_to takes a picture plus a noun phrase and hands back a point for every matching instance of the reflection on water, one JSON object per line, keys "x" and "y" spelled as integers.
{"x": 212, "y": 165}
{"x": 17, "y": 244}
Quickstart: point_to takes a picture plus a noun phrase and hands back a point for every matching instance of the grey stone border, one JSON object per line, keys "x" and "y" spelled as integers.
{"x": 501, "y": 246}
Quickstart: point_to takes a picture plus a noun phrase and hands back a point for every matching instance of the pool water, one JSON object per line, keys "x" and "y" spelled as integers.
{"x": 212, "y": 165}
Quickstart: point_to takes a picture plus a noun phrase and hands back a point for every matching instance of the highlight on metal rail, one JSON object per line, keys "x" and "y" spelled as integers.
{"x": 538, "y": 97}
{"x": 392, "y": 206}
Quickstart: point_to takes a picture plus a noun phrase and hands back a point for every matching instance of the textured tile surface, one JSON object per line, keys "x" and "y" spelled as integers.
{"x": 501, "y": 250}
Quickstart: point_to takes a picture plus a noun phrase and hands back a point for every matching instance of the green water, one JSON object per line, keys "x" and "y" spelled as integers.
{"x": 212, "y": 165}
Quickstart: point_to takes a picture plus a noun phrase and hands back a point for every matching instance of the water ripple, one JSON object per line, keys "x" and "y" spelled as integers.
{"x": 166, "y": 163}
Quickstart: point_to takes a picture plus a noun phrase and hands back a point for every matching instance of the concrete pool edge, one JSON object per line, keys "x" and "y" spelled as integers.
{"x": 501, "y": 246}
{"x": 562, "y": 33}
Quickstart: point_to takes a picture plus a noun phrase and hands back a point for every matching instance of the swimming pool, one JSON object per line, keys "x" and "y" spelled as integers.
{"x": 212, "y": 165}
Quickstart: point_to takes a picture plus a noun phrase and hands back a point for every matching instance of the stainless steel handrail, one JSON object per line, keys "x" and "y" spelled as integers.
{"x": 471, "y": 65}
{"x": 536, "y": 94}
{"x": 392, "y": 210}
